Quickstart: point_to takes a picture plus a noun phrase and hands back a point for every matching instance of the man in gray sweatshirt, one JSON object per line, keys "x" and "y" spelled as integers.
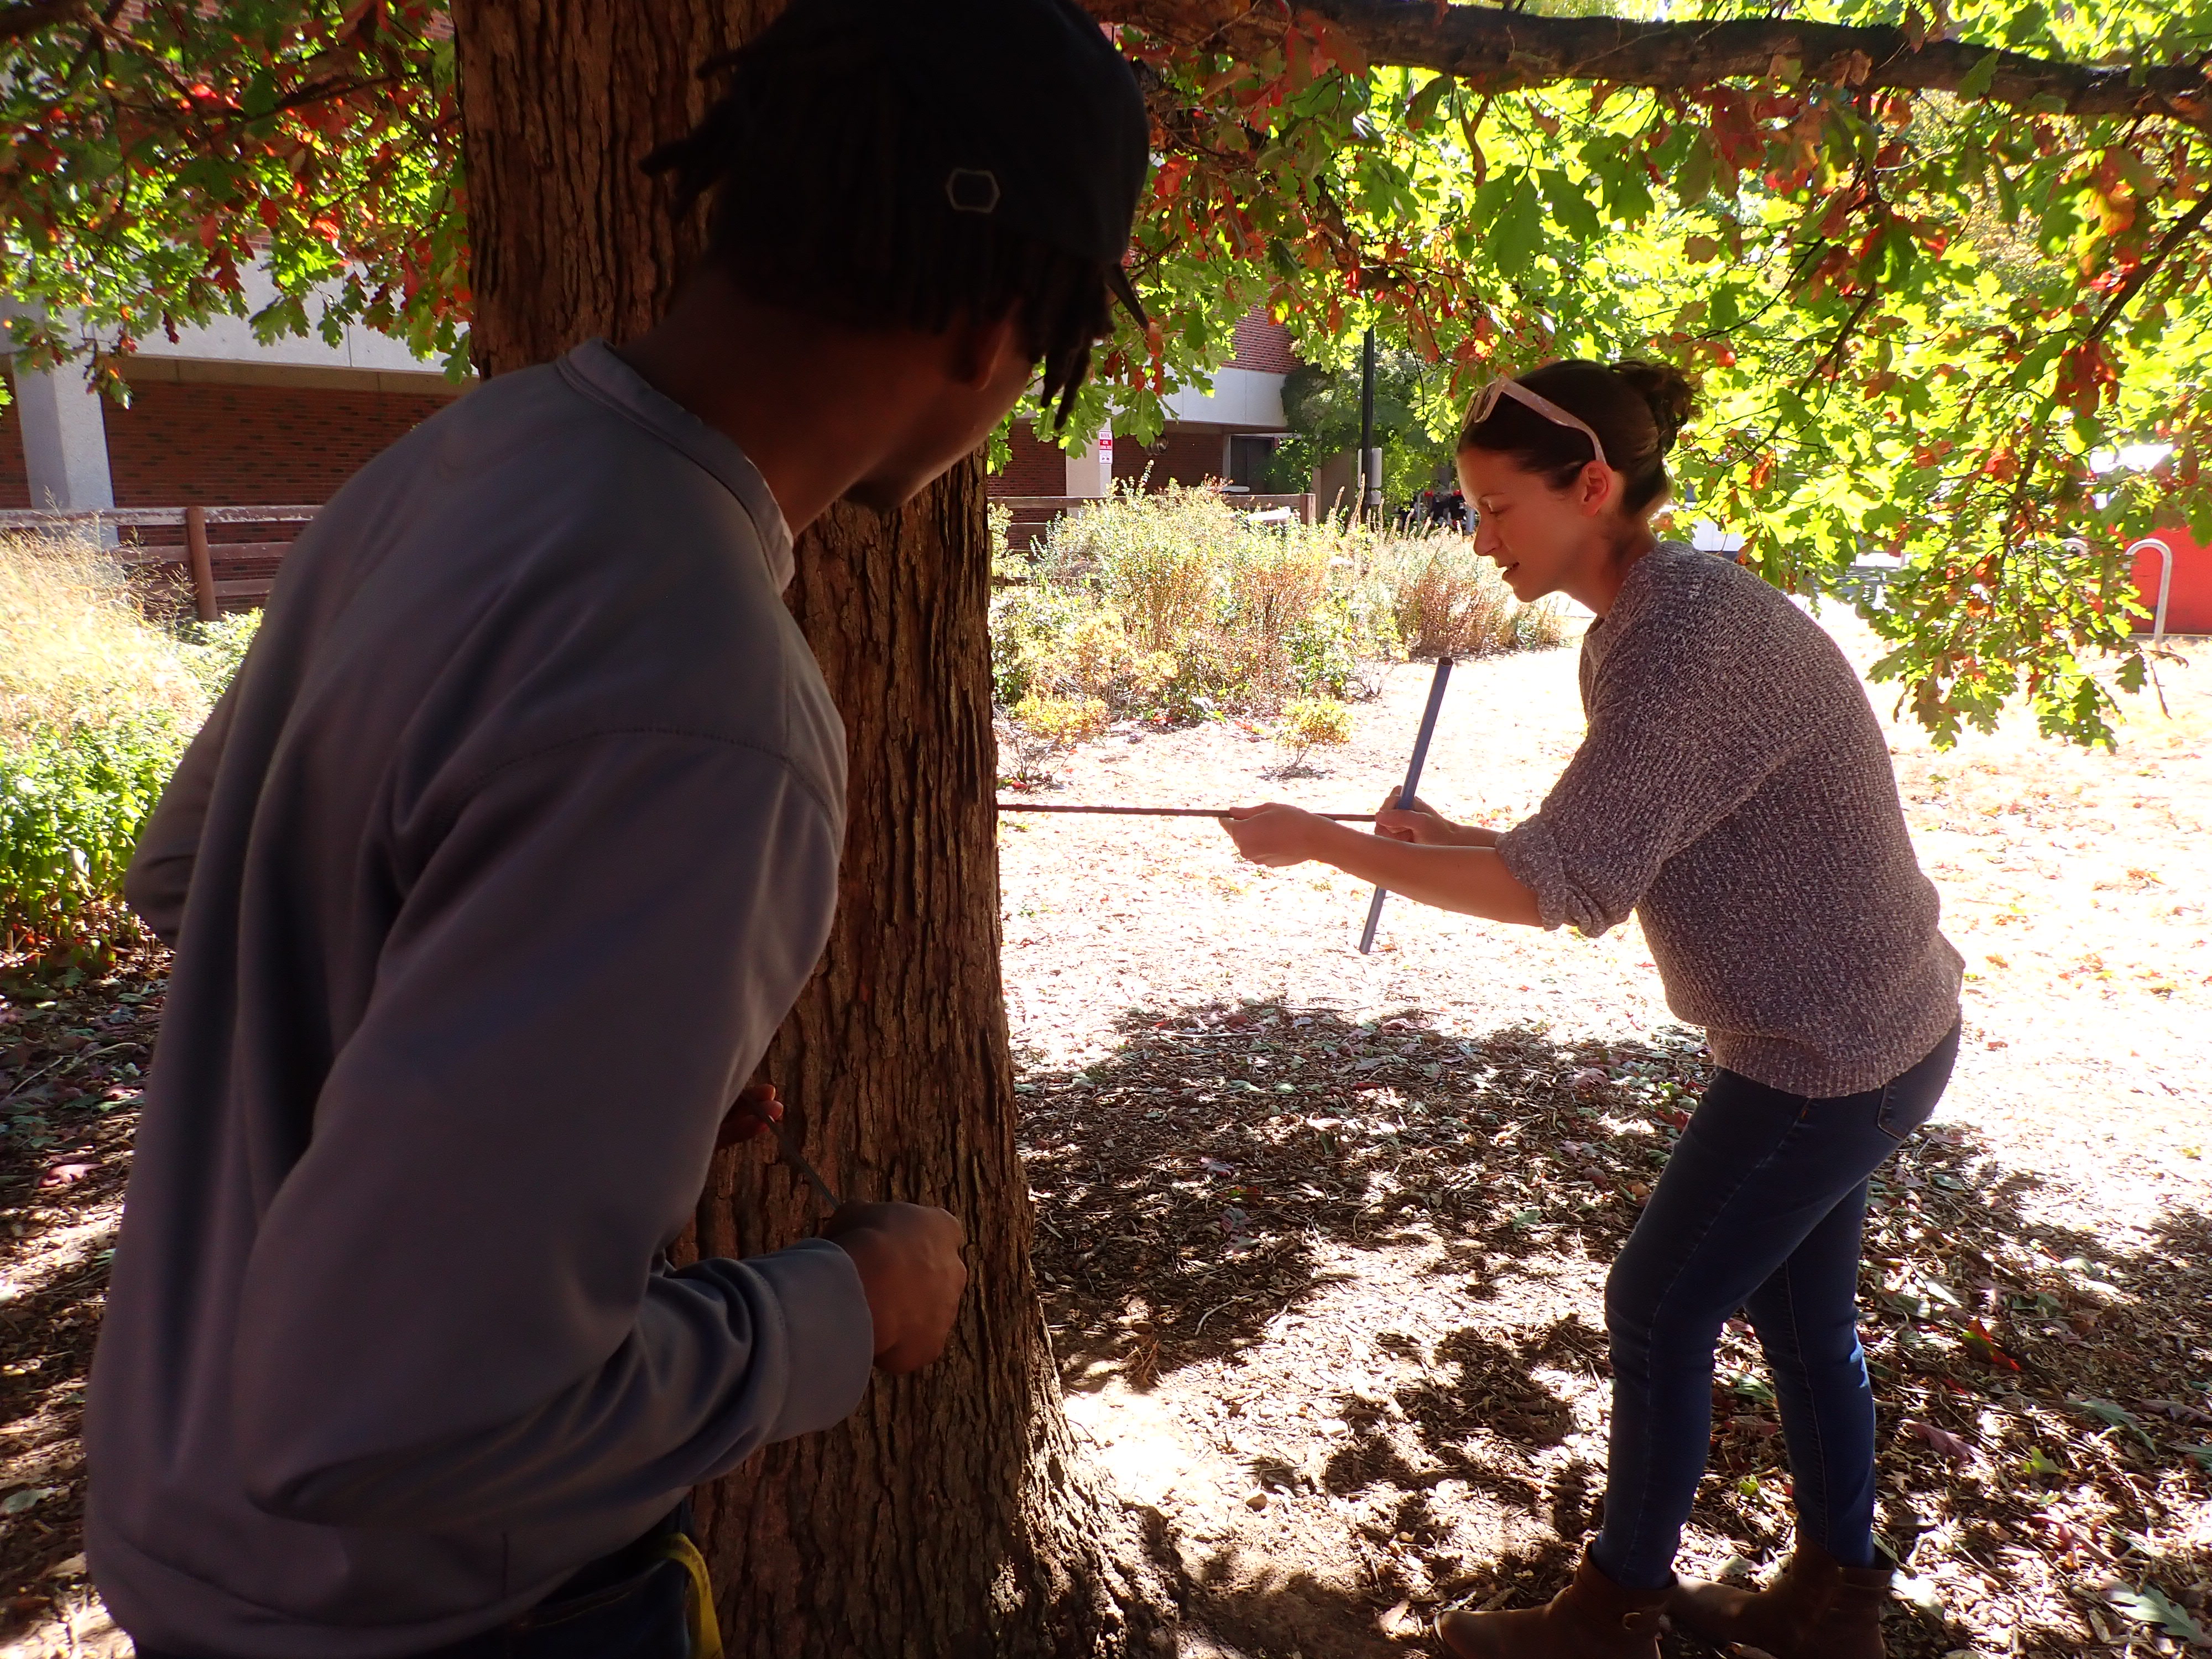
{"x": 493, "y": 873}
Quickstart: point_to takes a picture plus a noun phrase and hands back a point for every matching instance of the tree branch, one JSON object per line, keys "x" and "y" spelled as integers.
{"x": 16, "y": 21}
{"x": 1494, "y": 50}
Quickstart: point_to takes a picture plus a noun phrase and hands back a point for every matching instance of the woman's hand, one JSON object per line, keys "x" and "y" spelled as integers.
{"x": 1422, "y": 825}
{"x": 1274, "y": 834}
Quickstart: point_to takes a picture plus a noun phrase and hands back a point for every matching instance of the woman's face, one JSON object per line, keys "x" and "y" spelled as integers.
{"x": 1543, "y": 540}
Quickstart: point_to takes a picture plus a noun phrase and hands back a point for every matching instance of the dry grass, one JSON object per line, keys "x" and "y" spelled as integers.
{"x": 1448, "y": 602}
{"x": 96, "y": 702}
{"x": 76, "y": 649}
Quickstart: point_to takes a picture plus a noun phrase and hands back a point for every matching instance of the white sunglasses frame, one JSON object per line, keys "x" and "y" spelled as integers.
{"x": 1486, "y": 401}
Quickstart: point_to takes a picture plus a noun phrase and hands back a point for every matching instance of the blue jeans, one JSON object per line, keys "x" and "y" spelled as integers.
{"x": 633, "y": 1604}
{"x": 1759, "y": 1208}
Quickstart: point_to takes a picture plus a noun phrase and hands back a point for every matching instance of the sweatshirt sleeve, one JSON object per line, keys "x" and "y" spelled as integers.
{"x": 1674, "y": 746}
{"x": 160, "y": 872}
{"x": 452, "y": 1316}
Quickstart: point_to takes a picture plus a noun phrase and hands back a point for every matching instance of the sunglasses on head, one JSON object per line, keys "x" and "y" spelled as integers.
{"x": 1487, "y": 400}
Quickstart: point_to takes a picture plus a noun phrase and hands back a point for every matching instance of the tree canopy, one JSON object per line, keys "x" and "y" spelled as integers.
{"x": 1936, "y": 262}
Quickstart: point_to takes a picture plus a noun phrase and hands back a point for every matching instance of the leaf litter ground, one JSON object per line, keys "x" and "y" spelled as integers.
{"x": 1323, "y": 1237}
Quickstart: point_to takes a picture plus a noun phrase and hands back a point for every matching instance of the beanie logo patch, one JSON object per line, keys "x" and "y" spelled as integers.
{"x": 972, "y": 189}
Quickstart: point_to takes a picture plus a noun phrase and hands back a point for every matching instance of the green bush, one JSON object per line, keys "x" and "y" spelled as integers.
{"x": 1311, "y": 723}
{"x": 1173, "y": 605}
{"x": 96, "y": 703}
{"x": 72, "y": 803}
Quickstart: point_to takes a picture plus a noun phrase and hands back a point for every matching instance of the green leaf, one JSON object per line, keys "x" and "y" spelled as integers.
{"x": 1517, "y": 233}
{"x": 1422, "y": 108}
{"x": 1977, "y": 81}
{"x": 2117, "y": 1417}
{"x": 2151, "y": 1607}
{"x": 1695, "y": 180}
{"x": 1570, "y": 207}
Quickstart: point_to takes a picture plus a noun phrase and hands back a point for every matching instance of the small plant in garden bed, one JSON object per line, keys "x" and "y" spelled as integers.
{"x": 1311, "y": 723}
{"x": 1039, "y": 727}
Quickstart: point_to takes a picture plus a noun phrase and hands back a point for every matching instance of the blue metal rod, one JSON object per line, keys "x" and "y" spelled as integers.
{"x": 1412, "y": 783}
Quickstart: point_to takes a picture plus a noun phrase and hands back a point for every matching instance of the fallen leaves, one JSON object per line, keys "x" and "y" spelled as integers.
{"x": 1942, "y": 1440}
{"x": 73, "y": 1051}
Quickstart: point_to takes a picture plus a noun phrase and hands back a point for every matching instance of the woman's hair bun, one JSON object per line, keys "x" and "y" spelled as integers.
{"x": 1672, "y": 399}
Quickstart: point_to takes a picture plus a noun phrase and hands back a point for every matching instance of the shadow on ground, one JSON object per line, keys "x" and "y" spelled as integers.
{"x": 72, "y": 1048}
{"x": 2045, "y": 1379}
{"x": 1185, "y": 1182}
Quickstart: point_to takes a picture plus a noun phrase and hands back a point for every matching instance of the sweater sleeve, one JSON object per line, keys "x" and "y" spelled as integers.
{"x": 452, "y": 1316}
{"x": 160, "y": 872}
{"x": 1680, "y": 736}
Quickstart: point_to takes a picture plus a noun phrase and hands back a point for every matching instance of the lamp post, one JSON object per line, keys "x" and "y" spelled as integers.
{"x": 1371, "y": 457}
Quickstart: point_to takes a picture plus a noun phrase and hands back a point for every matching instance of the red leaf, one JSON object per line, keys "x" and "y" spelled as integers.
{"x": 1941, "y": 1440}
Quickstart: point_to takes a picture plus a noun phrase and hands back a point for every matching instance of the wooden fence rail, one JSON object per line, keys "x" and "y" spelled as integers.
{"x": 1033, "y": 515}
{"x": 164, "y": 547}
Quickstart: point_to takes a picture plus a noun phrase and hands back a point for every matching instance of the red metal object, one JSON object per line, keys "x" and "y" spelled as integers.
{"x": 2188, "y": 592}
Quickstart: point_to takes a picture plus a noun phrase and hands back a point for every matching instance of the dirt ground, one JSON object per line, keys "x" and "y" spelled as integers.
{"x": 1328, "y": 1232}
{"x": 1323, "y": 1234}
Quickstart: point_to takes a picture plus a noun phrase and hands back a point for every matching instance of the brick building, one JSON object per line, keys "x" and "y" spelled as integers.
{"x": 217, "y": 418}
{"x": 1229, "y": 434}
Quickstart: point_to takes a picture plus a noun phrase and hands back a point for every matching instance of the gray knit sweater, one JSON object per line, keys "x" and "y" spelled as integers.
{"x": 1734, "y": 791}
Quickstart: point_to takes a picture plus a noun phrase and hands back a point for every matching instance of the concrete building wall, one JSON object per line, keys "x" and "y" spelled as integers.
{"x": 230, "y": 339}
{"x": 57, "y": 457}
{"x": 1242, "y": 399}
{"x": 216, "y": 417}
{"x": 1336, "y": 483}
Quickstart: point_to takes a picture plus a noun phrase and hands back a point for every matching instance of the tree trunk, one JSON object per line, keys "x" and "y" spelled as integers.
{"x": 949, "y": 1516}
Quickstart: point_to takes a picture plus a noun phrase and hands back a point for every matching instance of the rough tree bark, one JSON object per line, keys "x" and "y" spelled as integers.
{"x": 949, "y": 1517}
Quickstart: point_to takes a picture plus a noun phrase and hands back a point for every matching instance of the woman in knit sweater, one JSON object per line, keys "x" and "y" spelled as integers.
{"x": 1735, "y": 793}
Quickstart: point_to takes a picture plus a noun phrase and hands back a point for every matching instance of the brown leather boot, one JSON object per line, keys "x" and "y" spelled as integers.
{"x": 1592, "y": 1618}
{"x": 1817, "y": 1609}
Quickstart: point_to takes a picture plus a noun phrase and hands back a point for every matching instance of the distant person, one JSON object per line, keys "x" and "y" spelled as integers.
{"x": 1735, "y": 794}
{"x": 494, "y": 872}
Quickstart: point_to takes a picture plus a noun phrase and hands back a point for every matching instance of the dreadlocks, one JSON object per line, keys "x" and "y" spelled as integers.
{"x": 819, "y": 215}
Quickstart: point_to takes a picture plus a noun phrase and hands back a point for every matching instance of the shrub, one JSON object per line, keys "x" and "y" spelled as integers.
{"x": 1042, "y": 727}
{"x": 72, "y": 803}
{"x": 1311, "y": 723}
{"x": 1173, "y": 605}
{"x": 96, "y": 702}
{"x": 1449, "y": 601}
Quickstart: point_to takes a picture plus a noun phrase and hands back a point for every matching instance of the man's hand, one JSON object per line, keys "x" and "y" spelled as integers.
{"x": 908, "y": 1256}
{"x": 755, "y": 1109}
{"x": 1274, "y": 834}
{"x": 1422, "y": 825}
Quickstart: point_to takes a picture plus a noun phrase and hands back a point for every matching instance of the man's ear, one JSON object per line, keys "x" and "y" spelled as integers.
{"x": 978, "y": 352}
